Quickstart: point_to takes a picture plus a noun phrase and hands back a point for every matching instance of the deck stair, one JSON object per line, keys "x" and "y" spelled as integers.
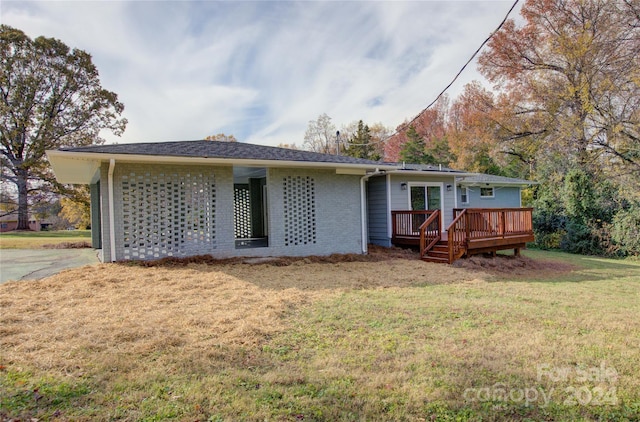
{"x": 439, "y": 253}
{"x": 472, "y": 231}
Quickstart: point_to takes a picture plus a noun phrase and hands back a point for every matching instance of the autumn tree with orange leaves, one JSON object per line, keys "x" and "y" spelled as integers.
{"x": 430, "y": 127}
{"x": 565, "y": 111}
{"x": 570, "y": 82}
{"x": 568, "y": 105}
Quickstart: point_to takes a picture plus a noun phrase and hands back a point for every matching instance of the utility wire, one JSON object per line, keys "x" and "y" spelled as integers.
{"x": 473, "y": 56}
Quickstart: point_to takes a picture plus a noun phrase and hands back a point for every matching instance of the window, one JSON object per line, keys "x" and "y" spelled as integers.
{"x": 486, "y": 192}
{"x": 250, "y": 211}
{"x": 464, "y": 195}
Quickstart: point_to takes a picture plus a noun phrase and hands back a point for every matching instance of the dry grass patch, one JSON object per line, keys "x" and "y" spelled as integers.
{"x": 95, "y": 316}
{"x": 310, "y": 339}
{"x": 519, "y": 266}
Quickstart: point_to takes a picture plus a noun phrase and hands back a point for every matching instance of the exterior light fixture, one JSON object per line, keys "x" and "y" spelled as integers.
{"x": 449, "y": 188}
{"x": 403, "y": 186}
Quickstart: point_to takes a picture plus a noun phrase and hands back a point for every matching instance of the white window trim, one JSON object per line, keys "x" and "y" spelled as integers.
{"x": 466, "y": 193}
{"x": 428, "y": 184}
{"x": 493, "y": 192}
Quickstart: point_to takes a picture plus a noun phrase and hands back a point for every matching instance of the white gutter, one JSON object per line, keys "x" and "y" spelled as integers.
{"x": 389, "y": 222}
{"x": 431, "y": 173}
{"x": 140, "y": 158}
{"x": 112, "y": 217}
{"x": 363, "y": 208}
{"x": 455, "y": 195}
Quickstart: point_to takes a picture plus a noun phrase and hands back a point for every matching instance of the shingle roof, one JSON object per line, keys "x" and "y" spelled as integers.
{"x": 480, "y": 178}
{"x": 218, "y": 149}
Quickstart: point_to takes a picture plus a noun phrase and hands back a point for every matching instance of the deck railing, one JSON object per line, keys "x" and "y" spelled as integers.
{"x": 457, "y": 234}
{"x": 406, "y": 224}
{"x": 430, "y": 232}
{"x": 489, "y": 223}
{"x": 473, "y": 230}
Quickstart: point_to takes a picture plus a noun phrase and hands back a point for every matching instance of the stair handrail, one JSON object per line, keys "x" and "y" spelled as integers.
{"x": 430, "y": 233}
{"x": 456, "y": 236}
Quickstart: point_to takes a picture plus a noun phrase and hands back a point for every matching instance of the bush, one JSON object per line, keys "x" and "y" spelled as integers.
{"x": 625, "y": 231}
{"x": 583, "y": 238}
{"x": 549, "y": 228}
{"x": 548, "y": 241}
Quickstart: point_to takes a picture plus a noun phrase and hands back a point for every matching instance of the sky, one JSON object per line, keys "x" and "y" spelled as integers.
{"x": 262, "y": 70}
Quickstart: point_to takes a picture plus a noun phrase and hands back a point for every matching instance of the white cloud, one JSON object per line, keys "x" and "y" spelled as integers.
{"x": 262, "y": 70}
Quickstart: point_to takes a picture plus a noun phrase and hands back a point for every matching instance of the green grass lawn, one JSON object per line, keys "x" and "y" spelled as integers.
{"x": 35, "y": 240}
{"x": 564, "y": 347}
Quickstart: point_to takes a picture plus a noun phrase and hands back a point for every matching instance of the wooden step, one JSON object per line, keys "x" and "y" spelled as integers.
{"x": 435, "y": 259}
{"x": 439, "y": 253}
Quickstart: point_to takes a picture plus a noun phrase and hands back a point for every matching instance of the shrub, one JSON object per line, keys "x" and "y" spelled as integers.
{"x": 625, "y": 231}
{"x": 583, "y": 238}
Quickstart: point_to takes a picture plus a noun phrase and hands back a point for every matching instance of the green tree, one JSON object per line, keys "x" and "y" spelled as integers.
{"x": 568, "y": 107}
{"x": 50, "y": 97}
{"x": 441, "y": 152}
{"x": 414, "y": 149}
{"x": 360, "y": 145}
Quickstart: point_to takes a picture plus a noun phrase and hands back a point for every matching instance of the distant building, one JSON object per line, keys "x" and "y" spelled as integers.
{"x": 10, "y": 222}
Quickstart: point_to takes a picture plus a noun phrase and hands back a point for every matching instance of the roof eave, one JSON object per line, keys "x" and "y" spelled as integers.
{"x": 428, "y": 173}
{"x": 497, "y": 184}
{"x": 73, "y": 167}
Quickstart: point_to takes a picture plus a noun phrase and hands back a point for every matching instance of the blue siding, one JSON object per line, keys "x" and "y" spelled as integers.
{"x": 503, "y": 197}
{"x": 400, "y": 198}
{"x": 377, "y": 219}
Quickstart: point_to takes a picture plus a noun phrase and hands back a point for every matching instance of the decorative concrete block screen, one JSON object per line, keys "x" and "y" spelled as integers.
{"x": 299, "y": 210}
{"x": 167, "y": 214}
{"x": 242, "y": 212}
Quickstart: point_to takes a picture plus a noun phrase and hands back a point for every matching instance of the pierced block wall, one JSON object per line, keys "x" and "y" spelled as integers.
{"x": 336, "y": 203}
{"x": 168, "y": 213}
{"x": 299, "y": 194}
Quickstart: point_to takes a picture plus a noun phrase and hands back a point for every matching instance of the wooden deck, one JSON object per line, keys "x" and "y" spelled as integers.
{"x": 472, "y": 231}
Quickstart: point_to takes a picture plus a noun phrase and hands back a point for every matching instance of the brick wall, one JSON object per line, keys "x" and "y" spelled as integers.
{"x": 188, "y": 210}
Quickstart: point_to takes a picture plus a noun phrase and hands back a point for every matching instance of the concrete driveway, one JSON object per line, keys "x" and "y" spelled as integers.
{"x": 31, "y": 264}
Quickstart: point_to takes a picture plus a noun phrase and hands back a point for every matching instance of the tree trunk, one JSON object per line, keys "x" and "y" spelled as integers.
{"x": 23, "y": 205}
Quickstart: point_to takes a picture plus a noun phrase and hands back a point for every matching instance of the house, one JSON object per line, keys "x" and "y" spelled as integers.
{"x": 447, "y": 213}
{"x": 154, "y": 200}
{"x": 10, "y": 222}
{"x": 489, "y": 191}
{"x": 409, "y": 187}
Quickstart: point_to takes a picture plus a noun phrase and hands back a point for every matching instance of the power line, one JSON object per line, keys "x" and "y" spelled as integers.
{"x": 473, "y": 56}
{"x": 466, "y": 64}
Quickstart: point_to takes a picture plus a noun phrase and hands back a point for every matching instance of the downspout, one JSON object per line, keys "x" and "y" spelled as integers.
{"x": 455, "y": 193}
{"x": 388, "y": 193}
{"x": 112, "y": 217}
{"x": 363, "y": 208}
